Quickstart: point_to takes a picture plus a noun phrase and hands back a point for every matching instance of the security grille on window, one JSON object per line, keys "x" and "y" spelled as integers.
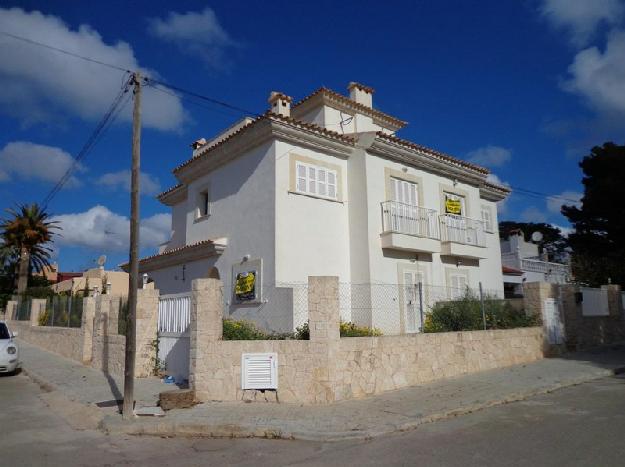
{"x": 317, "y": 181}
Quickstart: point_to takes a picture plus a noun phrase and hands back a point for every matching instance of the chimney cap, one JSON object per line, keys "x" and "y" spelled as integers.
{"x": 275, "y": 95}
{"x": 198, "y": 143}
{"x": 362, "y": 87}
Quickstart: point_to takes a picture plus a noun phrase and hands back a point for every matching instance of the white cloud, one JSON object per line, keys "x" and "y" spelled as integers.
{"x": 569, "y": 198}
{"x": 533, "y": 214}
{"x": 490, "y": 156}
{"x": 30, "y": 161}
{"x": 581, "y": 18}
{"x": 149, "y": 184}
{"x": 566, "y": 231}
{"x": 103, "y": 230}
{"x": 195, "y": 33}
{"x": 38, "y": 85}
{"x": 502, "y": 206}
{"x": 599, "y": 77}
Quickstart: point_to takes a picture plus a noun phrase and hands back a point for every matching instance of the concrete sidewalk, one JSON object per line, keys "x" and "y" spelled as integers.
{"x": 358, "y": 419}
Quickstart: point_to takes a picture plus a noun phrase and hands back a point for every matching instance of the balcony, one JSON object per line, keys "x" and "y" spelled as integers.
{"x": 409, "y": 228}
{"x": 461, "y": 236}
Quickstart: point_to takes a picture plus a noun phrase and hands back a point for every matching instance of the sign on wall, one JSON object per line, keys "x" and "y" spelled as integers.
{"x": 245, "y": 286}
{"x": 453, "y": 205}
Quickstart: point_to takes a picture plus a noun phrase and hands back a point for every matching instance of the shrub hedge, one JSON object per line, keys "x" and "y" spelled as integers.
{"x": 465, "y": 314}
{"x": 246, "y": 330}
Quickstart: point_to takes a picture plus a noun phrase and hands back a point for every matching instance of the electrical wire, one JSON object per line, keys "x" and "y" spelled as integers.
{"x": 96, "y": 135}
{"x": 159, "y": 85}
{"x": 63, "y": 51}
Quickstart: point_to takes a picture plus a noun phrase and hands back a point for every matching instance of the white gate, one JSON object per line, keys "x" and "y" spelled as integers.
{"x": 553, "y": 323}
{"x": 174, "y": 317}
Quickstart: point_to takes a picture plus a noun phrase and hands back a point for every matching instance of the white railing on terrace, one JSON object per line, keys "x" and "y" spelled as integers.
{"x": 409, "y": 219}
{"x": 458, "y": 229}
{"x": 545, "y": 267}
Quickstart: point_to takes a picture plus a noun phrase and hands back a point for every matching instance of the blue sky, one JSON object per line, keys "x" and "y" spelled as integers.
{"x": 526, "y": 88}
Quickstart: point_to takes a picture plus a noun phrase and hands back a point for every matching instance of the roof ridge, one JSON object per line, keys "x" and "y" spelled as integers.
{"x": 433, "y": 152}
{"x": 356, "y": 105}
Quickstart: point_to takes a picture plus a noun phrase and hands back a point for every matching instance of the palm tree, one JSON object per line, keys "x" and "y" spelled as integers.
{"x": 26, "y": 233}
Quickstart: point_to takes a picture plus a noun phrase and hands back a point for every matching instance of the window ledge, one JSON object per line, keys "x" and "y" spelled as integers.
{"x": 201, "y": 218}
{"x": 308, "y": 195}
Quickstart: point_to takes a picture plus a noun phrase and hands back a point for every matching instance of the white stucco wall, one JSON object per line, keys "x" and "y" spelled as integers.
{"x": 311, "y": 233}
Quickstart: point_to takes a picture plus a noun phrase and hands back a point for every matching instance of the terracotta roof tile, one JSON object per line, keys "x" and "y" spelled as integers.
{"x": 269, "y": 116}
{"x": 166, "y": 192}
{"x": 433, "y": 152}
{"x": 360, "y": 107}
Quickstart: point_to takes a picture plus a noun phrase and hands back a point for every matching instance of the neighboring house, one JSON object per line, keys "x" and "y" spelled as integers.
{"x": 522, "y": 263}
{"x": 324, "y": 187}
{"x": 49, "y": 272}
{"x": 98, "y": 281}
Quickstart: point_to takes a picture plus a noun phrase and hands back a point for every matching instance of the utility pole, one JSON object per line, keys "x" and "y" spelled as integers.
{"x": 133, "y": 281}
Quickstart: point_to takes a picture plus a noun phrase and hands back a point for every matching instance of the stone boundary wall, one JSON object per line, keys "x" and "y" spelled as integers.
{"x": 371, "y": 365}
{"x": 328, "y": 368}
{"x": 66, "y": 342}
{"x": 97, "y": 342}
{"x": 580, "y": 332}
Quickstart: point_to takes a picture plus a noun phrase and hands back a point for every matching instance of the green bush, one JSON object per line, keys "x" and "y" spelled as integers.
{"x": 302, "y": 332}
{"x": 465, "y": 314}
{"x": 242, "y": 330}
{"x": 349, "y": 329}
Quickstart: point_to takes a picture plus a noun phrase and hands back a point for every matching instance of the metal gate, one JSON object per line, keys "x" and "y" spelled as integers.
{"x": 553, "y": 323}
{"x": 174, "y": 317}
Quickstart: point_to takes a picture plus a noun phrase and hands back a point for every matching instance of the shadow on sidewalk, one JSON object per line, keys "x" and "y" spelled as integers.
{"x": 610, "y": 356}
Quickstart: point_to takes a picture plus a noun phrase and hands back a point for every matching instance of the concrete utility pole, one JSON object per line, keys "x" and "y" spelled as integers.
{"x": 133, "y": 282}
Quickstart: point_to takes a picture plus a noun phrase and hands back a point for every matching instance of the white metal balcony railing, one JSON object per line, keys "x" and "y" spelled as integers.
{"x": 545, "y": 267}
{"x": 462, "y": 230}
{"x": 409, "y": 219}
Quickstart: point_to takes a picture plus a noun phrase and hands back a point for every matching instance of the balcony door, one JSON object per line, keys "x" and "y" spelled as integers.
{"x": 404, "y": 212}
{"x": 455, "y": 222}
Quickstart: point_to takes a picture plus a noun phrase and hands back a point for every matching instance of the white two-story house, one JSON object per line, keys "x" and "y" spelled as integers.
{"x": 324, "y": 187}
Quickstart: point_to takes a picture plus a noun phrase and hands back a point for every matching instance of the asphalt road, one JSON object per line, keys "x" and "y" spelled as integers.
{"x": 582, "y": 425}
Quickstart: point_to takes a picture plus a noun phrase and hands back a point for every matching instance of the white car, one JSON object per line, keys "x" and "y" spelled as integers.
{"x": 9, "y": 352}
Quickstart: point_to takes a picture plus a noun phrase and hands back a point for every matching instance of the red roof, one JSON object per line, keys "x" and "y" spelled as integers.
{"x": 511, "y": 271}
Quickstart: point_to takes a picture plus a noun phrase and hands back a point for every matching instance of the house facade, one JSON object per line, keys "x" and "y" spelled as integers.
{"x": 522, "y": 263}
{"x": 324, "y": 187}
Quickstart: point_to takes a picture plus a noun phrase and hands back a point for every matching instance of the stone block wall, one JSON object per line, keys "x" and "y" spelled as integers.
{"x": 328, "y": 368}
{"x": 67, "y": 342}
{"x": 97, "y": 342}
{"x": 371, "y": 365}
{"x": 581, "y": 332}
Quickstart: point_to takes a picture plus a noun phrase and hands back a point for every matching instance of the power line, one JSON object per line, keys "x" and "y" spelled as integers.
{"x": 107, "y": 120}
{"x": 538, "y": 194}
{"x": 190, "y": 94}
{"x": 63, "y": 51}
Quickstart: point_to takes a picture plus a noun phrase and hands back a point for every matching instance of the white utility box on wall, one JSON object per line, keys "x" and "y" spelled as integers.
{"x": 259, "y": 371}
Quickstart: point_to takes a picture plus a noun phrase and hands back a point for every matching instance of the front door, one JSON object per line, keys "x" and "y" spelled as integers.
{"x": 412, "y": 301}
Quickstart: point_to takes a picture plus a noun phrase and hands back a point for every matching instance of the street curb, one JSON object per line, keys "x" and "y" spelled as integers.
{"x": 174, "y": 428}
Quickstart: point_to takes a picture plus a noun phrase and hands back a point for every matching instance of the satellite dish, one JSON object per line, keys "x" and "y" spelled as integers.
{"x": 537, "y": 237}
{"x": 101, "y": 260}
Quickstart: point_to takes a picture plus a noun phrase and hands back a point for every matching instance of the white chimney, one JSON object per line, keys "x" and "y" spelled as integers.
{"x": 280, "y": 103}
{"x": 361, "y": 94}
{"x": 197, "y": 144}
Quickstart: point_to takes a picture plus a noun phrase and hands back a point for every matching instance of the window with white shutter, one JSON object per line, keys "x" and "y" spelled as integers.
{"x": 318, "y": 181}
{"x": 487, "y": 218}
{"x": 457, "y": 285}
